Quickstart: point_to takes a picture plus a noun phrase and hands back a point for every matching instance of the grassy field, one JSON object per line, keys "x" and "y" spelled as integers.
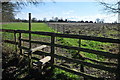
{"x": 25, "y": 26}
{"x": 64, "y": 41}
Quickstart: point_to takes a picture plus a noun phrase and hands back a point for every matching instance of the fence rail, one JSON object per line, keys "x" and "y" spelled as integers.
{"x": 53, "y": 45}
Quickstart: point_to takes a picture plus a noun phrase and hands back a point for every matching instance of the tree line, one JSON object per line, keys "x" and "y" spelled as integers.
{"x": 56, "y": 19}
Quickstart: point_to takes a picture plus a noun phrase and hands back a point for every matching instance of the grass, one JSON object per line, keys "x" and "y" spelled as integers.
{"x": 25, "y": 26}
{"x": 65, "y": 41}
{"x": 63, "y": 75}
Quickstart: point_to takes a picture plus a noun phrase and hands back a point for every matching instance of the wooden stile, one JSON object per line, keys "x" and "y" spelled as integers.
{"x": 38, "y": 48}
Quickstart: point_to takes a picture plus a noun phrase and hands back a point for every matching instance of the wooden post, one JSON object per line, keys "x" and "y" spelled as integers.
{"x": 52, "y": 49}
{"x": 29, "y": 54}
{"x": 20, "y": 44}
{"x": 15, "y": 42}
{"x": 81, "y": 66}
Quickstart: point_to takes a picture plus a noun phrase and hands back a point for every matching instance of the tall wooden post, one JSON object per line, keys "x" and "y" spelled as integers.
{"x": 52, "y": 49}
{"x": 29, "y": 54}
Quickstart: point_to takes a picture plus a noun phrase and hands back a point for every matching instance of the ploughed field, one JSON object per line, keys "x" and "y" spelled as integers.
{"x": 107, "y": 30}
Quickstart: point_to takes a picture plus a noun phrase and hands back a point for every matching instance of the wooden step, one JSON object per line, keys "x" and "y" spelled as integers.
{"x": 38, "y": 48}
{"x": 42, "y": 61}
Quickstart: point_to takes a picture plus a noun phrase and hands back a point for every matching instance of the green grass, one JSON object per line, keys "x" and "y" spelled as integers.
{"x": 25, "y": 26}
{"x": 65, "y": 41}
{"x": 63, "y": 75}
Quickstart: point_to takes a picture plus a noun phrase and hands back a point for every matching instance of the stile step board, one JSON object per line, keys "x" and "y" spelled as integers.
{"x": 38, "y": 48}
{"x": 46, "y": 59}
{"x": 43, "y": 61}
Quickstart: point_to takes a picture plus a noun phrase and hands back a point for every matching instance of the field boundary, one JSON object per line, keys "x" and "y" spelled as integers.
{"x": 52, "y": 44}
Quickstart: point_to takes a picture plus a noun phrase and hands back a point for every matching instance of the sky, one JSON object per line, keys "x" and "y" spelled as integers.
{"x": 74, "y": 11}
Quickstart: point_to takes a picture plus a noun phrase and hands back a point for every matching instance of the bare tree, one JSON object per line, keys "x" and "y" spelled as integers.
{"x": 9, "y": 8}
{"x": 111, "y": 7}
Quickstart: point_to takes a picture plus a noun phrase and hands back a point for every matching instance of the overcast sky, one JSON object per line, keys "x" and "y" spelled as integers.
{"x": 77, "y": 10}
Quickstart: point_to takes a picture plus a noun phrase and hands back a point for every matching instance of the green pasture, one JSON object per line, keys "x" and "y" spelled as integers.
{"x": 25, "y": 26}
{"x": 65, "y": 41}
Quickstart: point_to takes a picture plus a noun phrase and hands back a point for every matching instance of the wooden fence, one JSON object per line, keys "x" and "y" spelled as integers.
{"x": 115, "y": 70}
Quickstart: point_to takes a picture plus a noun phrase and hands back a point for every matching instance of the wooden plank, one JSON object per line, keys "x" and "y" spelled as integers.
{"x": 104, "y": 63}
{"x": 25, "y": 48}
{"x": 79, "y": 73}
{"x": 37, "y": 42}
{"x": 42, "y": 61}
{"x": 100, "y": 39}
{"x": 106, "y": 54}
{"x": 45, "y": 59}
{"x": 38, "y": 48}
{"x": 112, "y": 70}
{"x": 11, "y": 42}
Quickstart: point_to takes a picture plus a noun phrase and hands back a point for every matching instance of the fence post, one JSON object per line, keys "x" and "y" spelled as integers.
{"x": 20, "y": 44}
{"x": 15, "y": 42}
{"x": 81, "y": 66}
{"x": 52, "y": 49}
{"x": 30, "y": 54}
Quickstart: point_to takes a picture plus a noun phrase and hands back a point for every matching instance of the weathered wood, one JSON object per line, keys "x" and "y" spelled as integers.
{"x": 42, "y": 62}
{"x": 100, "y": 39}
{"x": 52, "y": 50}
{"x": 52, "y": 44}
{"x": 38, "y": 48}
{"x": 20, "y": 43}
{"x": 25, "y": 48}
{"x": 106, "y": 54}
{"x": 81, "y": 66}
{"x": 113, "y": 70}
{"x": 45, "y": 59}
{"x": 11, "y": 42}
{"x": 79, "y": 73}
{"x": 15, "y": 39}
{"x": 30, "y": 54}
{"x": 99, "y": 62}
